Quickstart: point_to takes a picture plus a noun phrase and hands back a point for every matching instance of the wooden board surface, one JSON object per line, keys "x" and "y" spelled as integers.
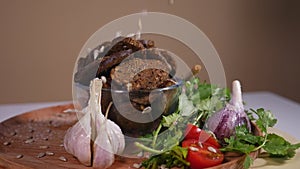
{"x": 45, "y": 128}
{"x": 42, "y": 131}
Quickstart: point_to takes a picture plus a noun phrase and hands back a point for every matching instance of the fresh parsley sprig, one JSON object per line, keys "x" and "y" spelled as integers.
{"x": 171, "y": 158}
{"x": 201, "y": 99}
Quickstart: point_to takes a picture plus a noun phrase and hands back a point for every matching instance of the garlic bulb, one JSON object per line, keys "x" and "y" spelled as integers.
{"x": 94, "y": 139}
{"x": 223, "y": 122}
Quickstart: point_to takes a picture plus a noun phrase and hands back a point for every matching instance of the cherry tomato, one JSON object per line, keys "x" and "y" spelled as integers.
{"x": 202, "y": 155}
{"x": 193, "y": 132}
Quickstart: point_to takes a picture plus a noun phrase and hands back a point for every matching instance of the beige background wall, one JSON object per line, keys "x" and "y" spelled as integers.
{"x": 258, "y": 42}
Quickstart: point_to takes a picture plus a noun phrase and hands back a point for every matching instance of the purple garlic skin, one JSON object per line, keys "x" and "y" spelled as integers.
{"x": 223, "y": 122}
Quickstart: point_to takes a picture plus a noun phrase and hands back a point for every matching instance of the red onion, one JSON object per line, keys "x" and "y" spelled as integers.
{"x": 223, "y": 122}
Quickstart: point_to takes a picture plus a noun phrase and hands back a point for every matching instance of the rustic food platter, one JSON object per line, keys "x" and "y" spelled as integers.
{"x": 35, "y": 140}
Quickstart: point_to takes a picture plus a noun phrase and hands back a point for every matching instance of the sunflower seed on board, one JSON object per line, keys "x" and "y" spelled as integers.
{"x": 29, "y": 137}
{"x": 49, "y": 153}
{"x": 28, "y": 141}
{"x": 19, "y": 156}
{"x": 6, "y": 143}
{"x": 44, "y": 147}
{"x": 13, "y": 133}
{"x": 40, "y": 155}
{"x": 140, "y": 154}
{"x": 62, "y": 158}
{"x": 136, "y": 165}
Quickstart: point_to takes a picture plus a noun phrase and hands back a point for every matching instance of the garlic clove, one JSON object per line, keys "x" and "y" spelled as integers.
{"x": 103, "y": 156}
{"x": 236, "y": 98}
{"x": 102, "y": 148}
{"x": 78, "y": 139}
{"x": 116, "y": 137}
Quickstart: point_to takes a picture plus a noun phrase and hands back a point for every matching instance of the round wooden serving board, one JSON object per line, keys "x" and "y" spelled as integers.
{"x": 42, "y": 131}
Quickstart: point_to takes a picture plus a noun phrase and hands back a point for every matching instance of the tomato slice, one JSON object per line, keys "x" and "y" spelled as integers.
{"x": 202, "y": 155}
{"x": 194, "y": 132}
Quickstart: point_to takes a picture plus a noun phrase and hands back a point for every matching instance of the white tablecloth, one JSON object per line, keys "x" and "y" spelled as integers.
{"x": 286, "y": 111}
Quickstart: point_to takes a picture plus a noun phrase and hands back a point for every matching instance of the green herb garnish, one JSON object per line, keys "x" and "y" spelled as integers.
{"x": 197, "y": 102}
{"x": 245, "y": 142}
{"x": 172, "y": 158}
